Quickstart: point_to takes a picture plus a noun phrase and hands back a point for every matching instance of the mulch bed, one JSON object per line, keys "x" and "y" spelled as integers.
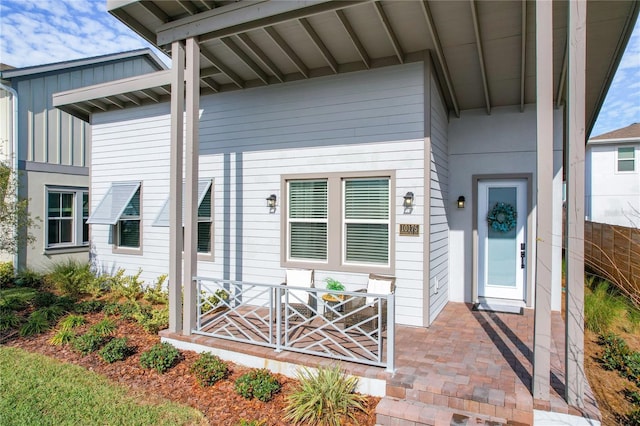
{"x": 219, "y": 403}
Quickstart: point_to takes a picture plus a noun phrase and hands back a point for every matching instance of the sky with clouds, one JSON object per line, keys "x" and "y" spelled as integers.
{"x": 35, "y": 32}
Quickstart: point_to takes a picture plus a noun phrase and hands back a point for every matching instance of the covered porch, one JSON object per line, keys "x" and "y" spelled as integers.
{"x": 469, "y": 366}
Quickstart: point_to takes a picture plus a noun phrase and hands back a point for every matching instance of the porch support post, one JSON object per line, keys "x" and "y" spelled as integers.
{"x": 576, "y": 138}
{"x": 544, "y": 199}
{"x": 192, "y": 149}
{"x": 175, "y": 187}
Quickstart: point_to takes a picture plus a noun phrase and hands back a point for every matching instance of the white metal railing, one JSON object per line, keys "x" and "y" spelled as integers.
{"x": 349, "y": 326}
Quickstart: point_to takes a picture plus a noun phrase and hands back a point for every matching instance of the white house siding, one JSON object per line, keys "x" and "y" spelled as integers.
{"x": 440, "y": 206}
{"x": 249, "y": 139}
{"x": 612, "y": 197}
{"x": 501, "y": 143}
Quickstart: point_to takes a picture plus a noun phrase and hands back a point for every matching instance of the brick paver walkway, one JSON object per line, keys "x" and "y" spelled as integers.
{"x": 468, "y": 366}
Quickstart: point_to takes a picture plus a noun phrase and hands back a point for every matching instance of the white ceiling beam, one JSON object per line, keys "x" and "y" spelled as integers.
{"x": 246, "y": 59}
{"x": 208, "y": 4}
{"x": 262, "y": 57}
{"x": 151, "y": 95}
{"x": 154, "y": 10}
{"x": 222, "y": 67}
{"x": 354, "y": 38}
{"x": 440, "y": 55}
{"x": 244, "y": 16}
{"x": 166, "y": 89}
{"x": 211, "y": 83}
{"x": 209, "y": 72}
{"x": 131, "y": 98}
{"x": 389, "y": 30}
{"x": 110, "y": 88}
{"x": 288, "y": 51}
{"x": 98, "y": 104}
{"x": 523, "y": 53}
{"x": 315, "y": 38}
{"x": 132, "y": 23}
{"x": 483, "y": 69}
{"x": 117, "y": 102}
{"x": 188, "y": 6}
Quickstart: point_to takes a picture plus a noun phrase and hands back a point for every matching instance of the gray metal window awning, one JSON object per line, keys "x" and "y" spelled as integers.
{"x": 114, "y": 203}
{"x": 163, "y": 217}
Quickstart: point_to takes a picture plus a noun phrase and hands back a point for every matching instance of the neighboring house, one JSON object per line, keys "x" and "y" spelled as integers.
{"x": 613, "y": 177}
{"x": 385, "y": 135}
{"x": 51, "y": 148}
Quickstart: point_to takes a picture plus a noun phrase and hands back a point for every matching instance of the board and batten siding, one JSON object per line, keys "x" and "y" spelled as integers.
{"x": 369, "y": 121}
{"x": 439, "y": 199}
{"x": 49, "y": 135}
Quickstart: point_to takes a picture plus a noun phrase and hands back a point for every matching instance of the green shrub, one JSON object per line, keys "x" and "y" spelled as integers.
{"x": 88, "y": 343}
{"x": 213, "y": 300}
{"x": 155, "y": 294}
{"x": 105, "y": 327}
{"x": 88, "y": 306}
{"x": 16, "y": 299}
{"x": 8, "y": 319}
{"x": 99, "y": 285}
{"x": 154, "y": 320}
{"x": 127, "y": 286}
{"x": 6, "y": 274}
{"x": 44, "y": 299}
{"x": 633, "y": 396}
{"x": 618, "y": 356}
{"x": 111, "y": 308}
{"x": 160, "y": 357}
{"x": 71, "y": 322}
{"x": 62, "y": 337}
{"x": 116, "y": 350}
{"x": 52, "y": 313}
{"x": 13, "y": 303}
{"x": 633, "y": 418}
{"x": 70, "y": 277}
{"x": 209, "y": 369}
{"x": 323, "y": 397}
{"x": 130, "y": 310}
{"x": 29, "y": 278}
{"x": 259, "y": 384}
{"x": 36, "y": 323}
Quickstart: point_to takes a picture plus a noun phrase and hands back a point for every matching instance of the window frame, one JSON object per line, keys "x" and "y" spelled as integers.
{"x": 335, "y": 223}
{"x": 77, "y": 217}
{"x": 116, "y": 247}
{"x": 632, "y": 160}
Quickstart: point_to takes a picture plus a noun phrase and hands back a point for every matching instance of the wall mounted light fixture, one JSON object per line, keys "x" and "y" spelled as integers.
{"x": 408, "y": 200}
{"x": 461, "y": 202}
{"x": 271, "y": 201}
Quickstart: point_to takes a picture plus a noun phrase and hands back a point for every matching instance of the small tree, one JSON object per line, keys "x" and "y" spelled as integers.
{"x": 15, "y": 219}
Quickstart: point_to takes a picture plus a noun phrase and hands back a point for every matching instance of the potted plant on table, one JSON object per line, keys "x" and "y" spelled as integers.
{"x": 333, "y": 285}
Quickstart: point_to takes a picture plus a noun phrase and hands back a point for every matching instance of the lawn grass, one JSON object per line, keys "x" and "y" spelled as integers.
{"x": 40, "y": 390}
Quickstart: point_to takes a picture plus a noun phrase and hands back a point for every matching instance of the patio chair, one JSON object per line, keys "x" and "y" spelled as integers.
{"x": 367, "y": 307}
{"x": 304, "y": 302}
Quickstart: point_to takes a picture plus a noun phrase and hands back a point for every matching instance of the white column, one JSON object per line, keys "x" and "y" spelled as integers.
{"x": 175, "y": 187}
{"x": 576, "y": 139}
{"x": 544, "y": 199}
{"x": 192, "y": 148}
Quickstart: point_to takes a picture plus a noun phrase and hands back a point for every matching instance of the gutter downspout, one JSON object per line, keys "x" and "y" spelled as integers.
{"x": 14, "y": 142}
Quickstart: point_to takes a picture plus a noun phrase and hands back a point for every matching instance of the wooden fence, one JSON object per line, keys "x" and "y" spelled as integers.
{"x": 614, "y": 253}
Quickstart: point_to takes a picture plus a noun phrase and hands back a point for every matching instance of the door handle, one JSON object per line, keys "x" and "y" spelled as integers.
{"x": 522, "y": 255}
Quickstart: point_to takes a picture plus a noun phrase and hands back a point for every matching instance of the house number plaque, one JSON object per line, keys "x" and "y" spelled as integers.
{"x": 409, "y": 230}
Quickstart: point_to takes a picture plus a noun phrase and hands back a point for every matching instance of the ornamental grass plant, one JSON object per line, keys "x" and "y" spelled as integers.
{"x": 323, "y": 397}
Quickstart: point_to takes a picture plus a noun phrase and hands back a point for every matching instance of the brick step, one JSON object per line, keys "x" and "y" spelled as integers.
{"x": 402, "y": 412}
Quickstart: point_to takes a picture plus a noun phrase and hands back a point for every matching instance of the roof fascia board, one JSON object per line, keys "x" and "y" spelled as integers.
{"x": 241, "y": 17}
{"x": 613, "y": 141}
{"x": 112, "y": 88}
{"x": 116, "y": 4}
{"x": 85, "y": 62}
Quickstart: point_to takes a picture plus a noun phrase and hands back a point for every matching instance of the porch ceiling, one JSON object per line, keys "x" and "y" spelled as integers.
{"x": 484, "y": 51}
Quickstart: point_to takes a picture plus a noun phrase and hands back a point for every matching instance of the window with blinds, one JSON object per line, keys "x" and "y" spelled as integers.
{"x": 128, "y": 226}
{"x": 366, "y": 221}
{"x": 307, "y": 220}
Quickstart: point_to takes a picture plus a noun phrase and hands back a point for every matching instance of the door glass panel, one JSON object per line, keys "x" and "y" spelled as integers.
{"x": 502, "y": 246}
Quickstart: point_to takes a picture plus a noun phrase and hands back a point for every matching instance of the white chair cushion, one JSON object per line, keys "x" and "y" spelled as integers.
{"x": 299, "y": 277}
{"x": 376, "y": 286}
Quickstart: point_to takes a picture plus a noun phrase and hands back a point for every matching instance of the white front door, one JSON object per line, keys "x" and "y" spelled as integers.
{"x": 502, "y": 219}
